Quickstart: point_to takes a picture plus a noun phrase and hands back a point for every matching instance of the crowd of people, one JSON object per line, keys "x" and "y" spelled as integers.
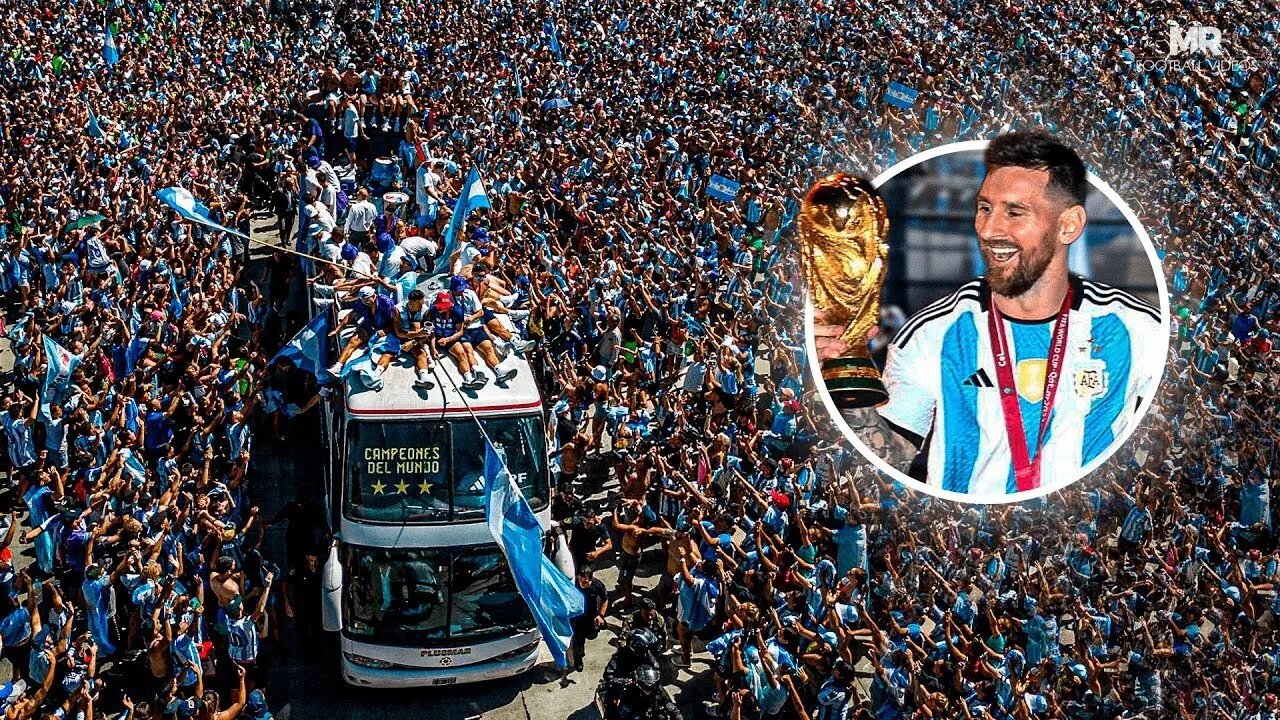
{"x": 668, "y": 321}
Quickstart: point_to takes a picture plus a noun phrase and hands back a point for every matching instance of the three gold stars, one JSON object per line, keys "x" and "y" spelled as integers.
{"x": 402, "y": 487}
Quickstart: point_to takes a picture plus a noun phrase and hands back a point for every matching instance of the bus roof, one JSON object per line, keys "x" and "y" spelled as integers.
{"x": 399, "y": 399}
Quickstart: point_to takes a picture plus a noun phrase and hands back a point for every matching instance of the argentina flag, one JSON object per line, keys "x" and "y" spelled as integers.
{"x": 473, "y": 196}
{"x": 181, "y": 201}
{"x": 551, "y": 596}
{"x": 308, "y": 348}
{"x": 110, "y": 53}
{"x": 58, "y": 373}
{"x": 94, "y": 128}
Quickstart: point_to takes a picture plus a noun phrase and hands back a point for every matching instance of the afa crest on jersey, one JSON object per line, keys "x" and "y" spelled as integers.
{"x": 1090, "y": 379}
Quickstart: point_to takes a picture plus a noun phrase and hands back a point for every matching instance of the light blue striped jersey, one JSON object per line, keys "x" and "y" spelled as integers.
{"x": 941, "y": 379}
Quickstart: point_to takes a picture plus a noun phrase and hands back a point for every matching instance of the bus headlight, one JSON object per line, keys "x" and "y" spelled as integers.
{"x": 368, "y": 662}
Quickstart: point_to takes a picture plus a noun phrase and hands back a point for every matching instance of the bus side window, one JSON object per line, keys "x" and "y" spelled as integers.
{"x": 339, "y": 465}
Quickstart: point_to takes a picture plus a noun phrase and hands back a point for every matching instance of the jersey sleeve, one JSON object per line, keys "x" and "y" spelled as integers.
{"x": 1148, "y": 361}
{"x": 906, "y": 376}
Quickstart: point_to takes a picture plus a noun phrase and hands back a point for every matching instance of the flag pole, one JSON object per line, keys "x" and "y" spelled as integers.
{"x": 299, "y": 253}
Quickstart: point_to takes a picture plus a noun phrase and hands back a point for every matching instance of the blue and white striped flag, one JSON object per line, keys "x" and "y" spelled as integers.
{"x": 551, "y": 596}
{"x": 553, "y": 40}
{"x": 134, "y": 469}
{"x": 17, "y": 332}
{"x": 94, "y": 129}
{"x": 362, "y": 368}
{"x": 110, "y": 53}
{"x": 473, "y": 196}
{"x": 308, "y": 348}
{"x": 185, "y": 204}
{"x": 61, "y": 363}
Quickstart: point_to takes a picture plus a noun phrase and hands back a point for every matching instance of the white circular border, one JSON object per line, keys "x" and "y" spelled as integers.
{"x": 815, "y": 369}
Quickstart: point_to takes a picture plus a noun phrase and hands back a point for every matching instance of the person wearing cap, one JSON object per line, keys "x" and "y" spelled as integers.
{"x": 647, "y": 617}
{"x": 371, "y": 313}
{"x": 244, "y": 629}
{"x": 97, "y": 596}
{"x": 475, "y": 335}
{"x": 477, "y": 246}
{"x": 448, "y": 328}
{"x": 256, "y": 706}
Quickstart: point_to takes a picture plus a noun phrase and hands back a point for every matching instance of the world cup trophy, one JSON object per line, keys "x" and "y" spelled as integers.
{"x": 844, "y": 225}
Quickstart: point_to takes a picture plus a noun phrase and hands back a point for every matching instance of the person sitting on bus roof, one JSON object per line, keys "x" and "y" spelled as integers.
{"x": 411, "y": 333}
{"x": 470, "y": 251}
{"x": 489, "y": 289}
{"x": 473, "y": 332}
{"x": 371, "y": 312}
{"x": 447, "y": 323}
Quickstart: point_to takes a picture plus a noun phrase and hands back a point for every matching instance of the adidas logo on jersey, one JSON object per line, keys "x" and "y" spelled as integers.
{"x": 979, "y": 379}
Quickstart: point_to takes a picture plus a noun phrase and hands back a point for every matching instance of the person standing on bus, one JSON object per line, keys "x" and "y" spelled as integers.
{"x": 447, "y": 324}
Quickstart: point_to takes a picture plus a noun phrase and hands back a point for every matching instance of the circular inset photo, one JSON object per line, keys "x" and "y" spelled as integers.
{"x": 989, "y": 319}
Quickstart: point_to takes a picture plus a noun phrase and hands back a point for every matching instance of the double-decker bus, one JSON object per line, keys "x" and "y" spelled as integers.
{"x": 414, "y": 582}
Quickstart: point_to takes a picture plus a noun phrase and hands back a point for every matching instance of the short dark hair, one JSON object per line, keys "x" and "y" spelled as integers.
{"x": 416, "y": 295}
{"x": 1038, "y": 150}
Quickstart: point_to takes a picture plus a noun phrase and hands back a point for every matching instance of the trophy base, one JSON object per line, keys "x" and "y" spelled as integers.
{"x": 853, "y": 382}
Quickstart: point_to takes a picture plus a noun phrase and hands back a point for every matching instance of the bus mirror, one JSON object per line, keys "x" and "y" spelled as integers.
{"x": 560, "y": 551}
{"x": 331, "y": 591}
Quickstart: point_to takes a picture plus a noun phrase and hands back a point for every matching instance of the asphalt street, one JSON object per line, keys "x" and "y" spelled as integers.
{"x": 304, "y": 680}
{"x": 306, "y": 683}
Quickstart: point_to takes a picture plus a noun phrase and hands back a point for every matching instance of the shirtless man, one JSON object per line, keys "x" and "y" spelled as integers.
{"x": 225, "y": 580}
{"x": 570, "y": 455}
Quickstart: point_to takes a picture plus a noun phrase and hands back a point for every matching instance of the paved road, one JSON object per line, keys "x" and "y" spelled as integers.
{"x": 306, "y": 684}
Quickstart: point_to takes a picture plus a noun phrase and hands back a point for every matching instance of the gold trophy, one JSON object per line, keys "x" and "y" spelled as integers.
{"x": 844, "y": 225}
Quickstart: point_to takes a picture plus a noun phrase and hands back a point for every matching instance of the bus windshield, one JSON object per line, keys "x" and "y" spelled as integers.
{"x": 421, "y": 597}
{"x": 433, "y": 471}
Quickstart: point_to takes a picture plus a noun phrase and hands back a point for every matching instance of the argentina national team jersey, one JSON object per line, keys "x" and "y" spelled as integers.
{"x": 941, "y": 379}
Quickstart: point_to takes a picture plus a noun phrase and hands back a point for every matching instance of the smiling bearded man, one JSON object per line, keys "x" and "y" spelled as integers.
{"x": 1020, "y": 378}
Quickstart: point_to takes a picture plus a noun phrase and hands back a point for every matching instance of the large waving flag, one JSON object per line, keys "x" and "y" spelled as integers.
{"x": 551, "y": 596}
{"x": 185, "y": 204}
{"x": 553, "y": 40}
{"x": 361, "y": 367}
{"x": 473, "y": 196}
{"x": 95, "y": 130}
{"x": 61, "y": 363}
{"x": 308, "y": 348}
{"x": 110, "y": 53}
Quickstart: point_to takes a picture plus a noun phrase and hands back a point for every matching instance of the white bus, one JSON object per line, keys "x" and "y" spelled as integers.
{"x": 414, "y": 582}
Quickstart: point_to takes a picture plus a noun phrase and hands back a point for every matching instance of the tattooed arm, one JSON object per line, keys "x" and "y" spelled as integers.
{"x": 892, "y": 444}
{"x": 895, "y": 445}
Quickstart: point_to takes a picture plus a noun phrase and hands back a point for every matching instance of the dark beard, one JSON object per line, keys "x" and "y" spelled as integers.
{"x": 1023, "y": 277}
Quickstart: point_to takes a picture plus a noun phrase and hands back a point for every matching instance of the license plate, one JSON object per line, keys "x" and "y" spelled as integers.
{"x": 444, "y": 681}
